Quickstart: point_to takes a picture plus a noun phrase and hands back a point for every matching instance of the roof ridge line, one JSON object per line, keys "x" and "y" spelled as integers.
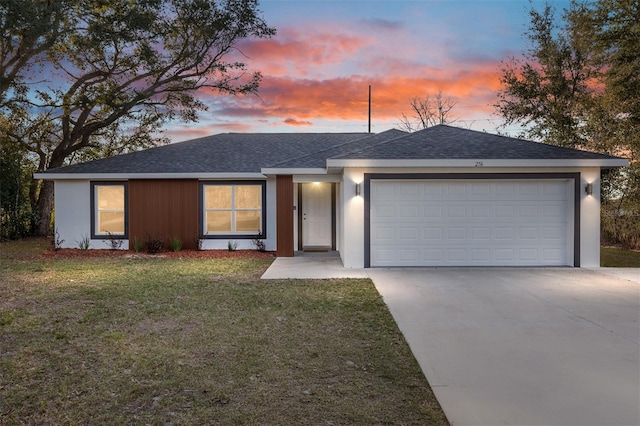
{"x": 378, "y": 144}
{"x": 371, "y": 135}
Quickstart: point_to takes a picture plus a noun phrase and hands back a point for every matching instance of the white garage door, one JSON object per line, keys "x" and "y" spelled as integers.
{"x": 470, "y": 223}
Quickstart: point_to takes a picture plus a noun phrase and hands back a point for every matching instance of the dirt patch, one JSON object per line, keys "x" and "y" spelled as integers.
{"x": 182, "y": 254}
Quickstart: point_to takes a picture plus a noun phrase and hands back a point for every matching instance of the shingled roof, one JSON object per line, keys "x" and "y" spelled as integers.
{"x": 453, "y": 143}
{"x": 222, "y": 153}
{"x": 250, "y": 153}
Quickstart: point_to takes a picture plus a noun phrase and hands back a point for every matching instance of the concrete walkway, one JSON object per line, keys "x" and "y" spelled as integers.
{"x": 514, "y": 346}
{"x": 310, "y": 267}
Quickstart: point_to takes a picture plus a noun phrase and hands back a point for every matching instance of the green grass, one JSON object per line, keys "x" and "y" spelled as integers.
{"x": 197, "y": 341}
{"x": 620, "y": 258}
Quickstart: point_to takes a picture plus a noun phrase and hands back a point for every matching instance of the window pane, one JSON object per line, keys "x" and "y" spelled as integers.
{"x": 248, "y": 197}
{"x": 248, "y": 221}
{"x": 111, "y": 222}
{"x": 219, "y": 221}
{"x": 110, "y": 197}
{"x": 218, "y": 197}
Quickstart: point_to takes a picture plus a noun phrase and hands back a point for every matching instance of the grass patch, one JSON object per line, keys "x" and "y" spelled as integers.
{"x": 119, "y": 340}
{"x": 619, "y": 258}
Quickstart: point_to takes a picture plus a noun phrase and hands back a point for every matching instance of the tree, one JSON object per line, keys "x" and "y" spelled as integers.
{"x": 428, "y": 111}
{"x": 545, "y": 90}
{"x": 28, "y": 29}
{"x": 611, "y": 30}
{"x": 15, "y": 211}
{"x": 131, "y": 65}
{"x": 578, "y": 85}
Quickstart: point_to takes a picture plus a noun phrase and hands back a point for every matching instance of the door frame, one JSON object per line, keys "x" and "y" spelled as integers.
{"x": 333, "y": 214}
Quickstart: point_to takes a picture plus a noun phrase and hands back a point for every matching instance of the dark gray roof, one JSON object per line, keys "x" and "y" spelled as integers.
{"x": 319, "y": 158}
{"x": 447, "y": 142}
{"x": 222, "y": 153}
{"x": 249, "y": 153}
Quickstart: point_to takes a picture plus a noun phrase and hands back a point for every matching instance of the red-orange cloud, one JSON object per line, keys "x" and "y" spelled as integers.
{"x": 294, "y": 122}
{"x": 346, "y": 98}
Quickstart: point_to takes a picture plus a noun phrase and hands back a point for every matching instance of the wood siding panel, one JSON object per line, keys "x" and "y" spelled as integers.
{"x": 284, "y": 213}
{"x": 163, "y": 208}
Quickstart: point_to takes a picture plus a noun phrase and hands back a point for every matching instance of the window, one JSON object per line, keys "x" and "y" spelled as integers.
{"x": 109, "y": 202}
{"x": 233, "y": 209}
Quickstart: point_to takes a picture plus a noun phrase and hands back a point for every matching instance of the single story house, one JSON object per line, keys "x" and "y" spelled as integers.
{"x": 443, "y": 196}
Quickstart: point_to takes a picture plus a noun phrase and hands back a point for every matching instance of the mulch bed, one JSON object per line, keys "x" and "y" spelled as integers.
{"x": 182, "y": 254}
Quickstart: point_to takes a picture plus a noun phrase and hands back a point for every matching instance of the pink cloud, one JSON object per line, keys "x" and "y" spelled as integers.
{"x": 294, "y": 122}
{"x": 301, "y": 52}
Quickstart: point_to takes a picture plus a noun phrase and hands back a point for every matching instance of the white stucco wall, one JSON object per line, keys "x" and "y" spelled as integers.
{"x": 72, "y": 212}
{"x": 352, "y": 214}
{"x": 590, "y": 219}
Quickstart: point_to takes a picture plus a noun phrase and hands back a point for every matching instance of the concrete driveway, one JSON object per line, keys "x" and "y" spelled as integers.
{"x": 507, "y": 346}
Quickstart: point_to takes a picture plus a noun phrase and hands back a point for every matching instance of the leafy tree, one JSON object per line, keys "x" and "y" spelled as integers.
{"x": 16, "y": 216}
{"x": 28, "y": 29}
{"x": 578, "y": 85}
{"x": 134, "y": 65}
{"x": 546, "y": 88}
{"x": 428, "y": 111}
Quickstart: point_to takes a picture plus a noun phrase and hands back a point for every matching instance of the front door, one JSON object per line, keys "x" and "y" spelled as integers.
{"x": 316, "y": 216}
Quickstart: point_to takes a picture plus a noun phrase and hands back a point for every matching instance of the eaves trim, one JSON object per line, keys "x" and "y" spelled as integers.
{"x": 478, "y": 163}
{"x": 126, "y": 176}
{"x": 273, "y": 171}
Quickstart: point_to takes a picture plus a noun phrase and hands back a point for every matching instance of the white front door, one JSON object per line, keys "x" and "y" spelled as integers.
{"x": 316, "y": 216}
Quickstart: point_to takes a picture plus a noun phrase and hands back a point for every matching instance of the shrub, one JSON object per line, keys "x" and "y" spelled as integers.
{"x": 154, "y": 245}
{"x": 232, "y": 245}
{"x": 137, "y": 244}
{"x": 175, "y": 243}
{"x": 57, "y": 241}
{"x": 259, "y": 244}
{"x": 112, "y": 242}
{"x": 620, "y": 227}
{"x": 84, "y": 243}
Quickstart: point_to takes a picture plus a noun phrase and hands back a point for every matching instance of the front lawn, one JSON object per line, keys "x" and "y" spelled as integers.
{"x": 617, "y": 257}
{"x": 163, "y": 340}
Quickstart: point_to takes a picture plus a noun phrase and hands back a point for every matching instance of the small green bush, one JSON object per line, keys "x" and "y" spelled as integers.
{"x": 137, "y": 244}
{"x": 84, "y": 243}
{"x": 232, "y": 245}
{"x": 175, "y": 243}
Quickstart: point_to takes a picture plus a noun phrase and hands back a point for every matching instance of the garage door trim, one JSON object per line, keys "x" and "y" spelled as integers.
{"x": 368, "y": 177}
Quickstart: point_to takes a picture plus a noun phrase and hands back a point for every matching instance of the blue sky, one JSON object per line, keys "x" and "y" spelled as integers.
{"x": 318, "y": 67}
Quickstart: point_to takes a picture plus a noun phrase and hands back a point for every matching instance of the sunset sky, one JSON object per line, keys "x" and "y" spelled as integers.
{"x": 317, "y": 69}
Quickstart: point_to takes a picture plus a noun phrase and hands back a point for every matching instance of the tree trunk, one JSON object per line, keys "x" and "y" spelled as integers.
{"x": 45, "y": 207}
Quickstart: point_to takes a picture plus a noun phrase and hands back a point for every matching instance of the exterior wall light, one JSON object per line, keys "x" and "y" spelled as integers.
{"x": 358, "y": 189}
{"x": 589, "y": 189}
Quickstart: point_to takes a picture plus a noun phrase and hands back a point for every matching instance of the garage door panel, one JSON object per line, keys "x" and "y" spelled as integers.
{"x": 481, "y": 234}
{"x": 408, "y": 234}
{"x": 469, "y": 223}
{"x": 432, "y": 234}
